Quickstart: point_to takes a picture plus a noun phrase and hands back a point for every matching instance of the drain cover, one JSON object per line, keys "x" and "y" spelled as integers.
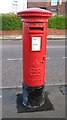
{"x": 63, "y": 90}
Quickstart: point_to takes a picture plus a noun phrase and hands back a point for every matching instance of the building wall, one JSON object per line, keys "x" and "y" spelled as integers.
{"x": 66, "y": 8}
{"x": 39, "y": 4}
{"x": 59, "y": 9}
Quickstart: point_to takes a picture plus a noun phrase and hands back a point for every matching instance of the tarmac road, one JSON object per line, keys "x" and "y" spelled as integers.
{"x": 12, "y": 64}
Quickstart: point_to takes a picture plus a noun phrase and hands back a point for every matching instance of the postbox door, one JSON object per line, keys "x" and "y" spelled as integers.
{"x": 38, "y": 51}
{"x": 35, "y": 61}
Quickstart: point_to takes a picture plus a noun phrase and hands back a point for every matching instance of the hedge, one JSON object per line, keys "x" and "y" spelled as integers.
{"x": 58, "y": 22}
{"x": 13, "y": 22}
{"x": 0, "y": 21}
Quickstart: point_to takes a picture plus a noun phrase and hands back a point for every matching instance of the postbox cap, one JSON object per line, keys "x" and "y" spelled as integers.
{"x": 34, "y": 12}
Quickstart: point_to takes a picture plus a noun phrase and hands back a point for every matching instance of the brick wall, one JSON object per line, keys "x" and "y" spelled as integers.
{"x": 39, "y": 4}
{"x": 59, "y": 9}
{"x": 66, "y": 8}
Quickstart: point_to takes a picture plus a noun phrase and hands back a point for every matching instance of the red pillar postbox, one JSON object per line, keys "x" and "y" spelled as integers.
{"x": 35, "y": 23}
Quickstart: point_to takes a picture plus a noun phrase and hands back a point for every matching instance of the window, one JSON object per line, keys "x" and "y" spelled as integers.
{"x": 60, "y": 2}
{"x": 53, "y": 2}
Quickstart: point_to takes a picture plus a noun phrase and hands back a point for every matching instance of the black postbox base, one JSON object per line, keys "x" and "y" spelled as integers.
{"x": 33, "y": 97}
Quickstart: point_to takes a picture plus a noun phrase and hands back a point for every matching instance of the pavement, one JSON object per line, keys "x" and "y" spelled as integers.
{"x": 54, "y": 106}
{"x": 19, "y": 37}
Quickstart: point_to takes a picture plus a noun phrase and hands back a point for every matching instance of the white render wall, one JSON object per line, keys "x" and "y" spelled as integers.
{"x": 6, "y": 5}
{"x": 22, "y": 5}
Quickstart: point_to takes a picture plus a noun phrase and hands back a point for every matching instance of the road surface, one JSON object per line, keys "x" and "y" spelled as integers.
{"x": 12, "y": 62}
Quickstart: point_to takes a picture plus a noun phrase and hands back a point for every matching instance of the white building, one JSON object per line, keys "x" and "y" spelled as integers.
{"x": 9, "y": 6}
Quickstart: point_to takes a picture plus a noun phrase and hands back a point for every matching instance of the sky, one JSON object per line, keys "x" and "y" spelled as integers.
{"x": 6, "y": 5}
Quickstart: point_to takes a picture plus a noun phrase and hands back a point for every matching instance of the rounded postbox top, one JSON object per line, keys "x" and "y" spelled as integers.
{"x": 34, "y": 12}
